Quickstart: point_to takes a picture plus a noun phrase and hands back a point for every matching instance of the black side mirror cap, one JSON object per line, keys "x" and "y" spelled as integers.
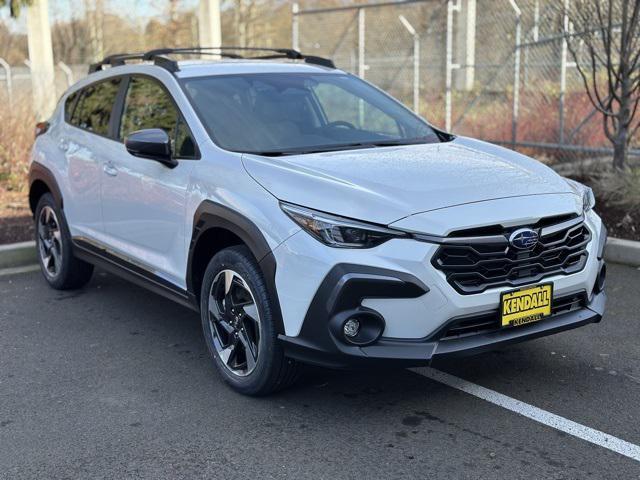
{"x": 152, "y": 144}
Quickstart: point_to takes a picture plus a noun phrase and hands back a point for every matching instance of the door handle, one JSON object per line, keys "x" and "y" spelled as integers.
{"x": 110, "y": 169}
{"x": 63, "y": 145}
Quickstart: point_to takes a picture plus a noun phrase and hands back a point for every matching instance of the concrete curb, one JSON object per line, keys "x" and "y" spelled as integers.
{"x": 622, "y": 251}
{"x": 14, "y": 255}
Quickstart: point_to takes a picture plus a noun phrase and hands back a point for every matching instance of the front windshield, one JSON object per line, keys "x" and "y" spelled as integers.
{"x": 279, "y": 113}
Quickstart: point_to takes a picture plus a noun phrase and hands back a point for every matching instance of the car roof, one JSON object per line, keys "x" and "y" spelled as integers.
{"x": 201, "y": 68}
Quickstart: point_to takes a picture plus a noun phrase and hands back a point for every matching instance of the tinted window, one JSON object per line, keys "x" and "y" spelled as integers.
{"x": 69, "y": 104}
{"x": 148, "y": 105}
{"x": 93, "y": 109}
{"x": 184, "y": 146}
{"x": 341, "y": 106}
{"x": 276, "y": 113}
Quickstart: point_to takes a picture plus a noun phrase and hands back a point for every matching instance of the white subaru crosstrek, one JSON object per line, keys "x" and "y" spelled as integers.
{"x": 308, "y": 216}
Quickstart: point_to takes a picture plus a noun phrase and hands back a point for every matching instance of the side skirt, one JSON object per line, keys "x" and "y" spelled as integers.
{"x": 102, "y": 257}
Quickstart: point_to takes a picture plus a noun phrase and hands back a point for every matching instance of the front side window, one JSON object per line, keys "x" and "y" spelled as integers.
{"x": 278, "y": 113}
{"x": 93, "y": 109}
{"x": 148, "y": 105}
{"x": 184, "y": 146}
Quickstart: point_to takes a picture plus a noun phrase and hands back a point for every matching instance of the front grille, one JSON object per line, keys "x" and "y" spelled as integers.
{"x": 474, "y": 264}
{"x": 488, "y": 322}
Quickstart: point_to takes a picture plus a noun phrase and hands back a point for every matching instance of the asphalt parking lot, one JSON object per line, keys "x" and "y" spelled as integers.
{"x": 115, "y": 382}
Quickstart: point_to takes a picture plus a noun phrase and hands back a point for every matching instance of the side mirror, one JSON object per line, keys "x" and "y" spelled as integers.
{"x": 152, "y": 144}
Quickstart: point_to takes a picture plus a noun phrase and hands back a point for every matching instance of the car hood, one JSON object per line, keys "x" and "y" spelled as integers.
{"x": 385, "y": 184}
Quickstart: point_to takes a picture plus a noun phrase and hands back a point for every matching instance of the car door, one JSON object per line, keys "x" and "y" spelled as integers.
{"x": 85, "y": 142}
{"x": 144, "y": 201}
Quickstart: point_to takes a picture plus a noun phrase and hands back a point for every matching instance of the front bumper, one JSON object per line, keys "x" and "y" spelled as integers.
{"x": 320, "y": 287}
{"x": 317, "y": 345}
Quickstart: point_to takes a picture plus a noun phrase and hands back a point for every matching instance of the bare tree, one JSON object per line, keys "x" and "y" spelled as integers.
{"x": 94, "y": 11}
{"x": 13, "y": 46}
{"x": 606, "y": 49}
{"x": 70, "y": 41}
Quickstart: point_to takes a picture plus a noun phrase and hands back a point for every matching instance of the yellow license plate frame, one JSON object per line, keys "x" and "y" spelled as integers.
{"x": 526, "y": 304}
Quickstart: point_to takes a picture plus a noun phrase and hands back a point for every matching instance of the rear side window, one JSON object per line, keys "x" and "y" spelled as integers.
{"x": 93, "y": 110}
{"x": 69, "y": 104}
{"x": 148, "y": 105}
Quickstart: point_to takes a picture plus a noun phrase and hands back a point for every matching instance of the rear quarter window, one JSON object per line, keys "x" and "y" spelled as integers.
{"x": 69, "y": 104}
{"x": 94, "y": 106}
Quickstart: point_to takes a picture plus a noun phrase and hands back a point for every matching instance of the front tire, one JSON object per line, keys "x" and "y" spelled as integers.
{"x": 238, "y": 325}
{"x": 59, "y": 267}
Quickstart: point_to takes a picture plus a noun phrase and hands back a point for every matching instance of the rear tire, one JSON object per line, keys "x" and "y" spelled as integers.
{"x": 238, "y": 325}
{"x": 59, "y": 267}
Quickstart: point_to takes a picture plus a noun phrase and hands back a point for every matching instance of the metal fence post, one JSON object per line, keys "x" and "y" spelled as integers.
{"x": 361, "y": 42}
{"x": 295, "y": 26}
{"x": 67, "y": 72}
{"x": 416, "y": 62}
{"x": 416, "y": 74}
{"x": 536, "y": 20}
{"x": 563, "y": 72}
{"x": 464, "y": 43}
{"x": 8, "y": 79}
{"x": 448, "y": 66}
{"x": 361, "y": 59}
{"x": 516, "y": 74}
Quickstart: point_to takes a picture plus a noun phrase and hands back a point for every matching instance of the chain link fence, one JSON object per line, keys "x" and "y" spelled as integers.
{"x": 493, "y": 69}
{"x": 16, "y": 82}
{"x": 499, "y": 70}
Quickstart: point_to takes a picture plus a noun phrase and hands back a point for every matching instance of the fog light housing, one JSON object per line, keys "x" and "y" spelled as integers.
{"x": 360, "y": 326}
{"x": 351, "y": 328}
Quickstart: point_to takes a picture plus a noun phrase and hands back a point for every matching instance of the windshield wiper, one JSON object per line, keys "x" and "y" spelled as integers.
{"x": 271, "y": 153}
{"x": 339, "y": 147}
{"x": 387, "y": 143}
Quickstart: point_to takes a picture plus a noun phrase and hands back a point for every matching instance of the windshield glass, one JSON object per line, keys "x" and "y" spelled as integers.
{"x": 280, "y": 113}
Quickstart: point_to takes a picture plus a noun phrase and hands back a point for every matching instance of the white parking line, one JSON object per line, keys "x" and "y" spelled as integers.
{"x": 591, "y": 435}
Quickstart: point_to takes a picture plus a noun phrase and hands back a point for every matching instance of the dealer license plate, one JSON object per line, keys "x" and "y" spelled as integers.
{"x": 526, "y": 305}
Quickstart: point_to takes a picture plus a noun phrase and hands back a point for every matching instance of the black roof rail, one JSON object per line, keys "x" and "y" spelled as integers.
{"x": 158, "y": 56}
{"x": 120, "y": 59}
{"x": 114, "y": 60}
{"x": 275, "y": 53}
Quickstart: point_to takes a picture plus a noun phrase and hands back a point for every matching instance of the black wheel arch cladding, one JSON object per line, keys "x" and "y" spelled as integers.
{"x": 211, "y": 215}
{"x": 42, "y": 180}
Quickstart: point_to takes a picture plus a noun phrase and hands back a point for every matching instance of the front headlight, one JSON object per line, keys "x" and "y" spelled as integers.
{"x": 588, "y": 198}
{"x": 339, "y": 232}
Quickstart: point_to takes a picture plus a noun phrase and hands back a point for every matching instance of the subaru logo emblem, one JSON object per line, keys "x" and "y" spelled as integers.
{"x": 524, "y": 239}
